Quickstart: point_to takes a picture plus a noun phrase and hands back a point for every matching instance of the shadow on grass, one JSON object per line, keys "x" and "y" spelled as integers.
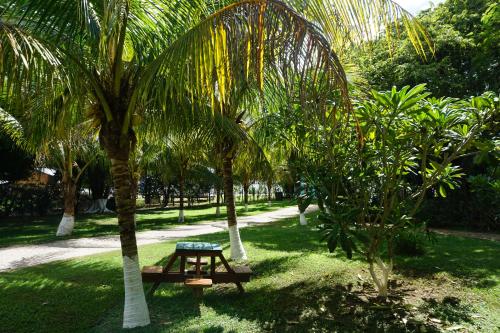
{"x": 60, "y": 297}
{"x": 300, "y": 307}
{"x": 448, "y": 310}
{"x": 473, "y": 261}
{"x": 314, "y": 306}
{"x": 289, "y": 237}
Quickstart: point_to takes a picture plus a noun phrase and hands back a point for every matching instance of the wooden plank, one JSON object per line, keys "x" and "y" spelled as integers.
{"x": 198, "y": 283}
{"x": 152, "y": 270}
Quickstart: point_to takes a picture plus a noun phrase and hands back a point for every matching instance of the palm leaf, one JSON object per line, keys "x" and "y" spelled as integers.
{"x": 240, "y": 47}
{"x": 355, "y": 22}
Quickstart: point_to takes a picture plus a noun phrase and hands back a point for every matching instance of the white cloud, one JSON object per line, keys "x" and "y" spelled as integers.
{"x": 415, "y": 6}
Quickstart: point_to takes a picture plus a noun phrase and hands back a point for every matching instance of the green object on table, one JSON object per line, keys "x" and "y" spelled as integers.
{"x": 197, "y": 246}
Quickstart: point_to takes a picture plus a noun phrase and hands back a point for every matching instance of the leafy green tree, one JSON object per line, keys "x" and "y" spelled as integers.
{"x": 466, "y": 52}
{"x": 410, "y": 143}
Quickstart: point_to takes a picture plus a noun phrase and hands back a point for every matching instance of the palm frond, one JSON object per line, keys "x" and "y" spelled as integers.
{"x": 12, "y": 127}
{"x": 25, "y": 62}
{"x": 356, "y": 22}
{"x": 244, "y": 46}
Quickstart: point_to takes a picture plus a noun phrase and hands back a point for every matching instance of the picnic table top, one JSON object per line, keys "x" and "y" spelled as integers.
{"x": 197, "y": 246}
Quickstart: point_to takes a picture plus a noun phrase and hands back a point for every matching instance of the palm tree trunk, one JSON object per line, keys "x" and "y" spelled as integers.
{"x": 69, "y": 193}
{"x": 237, "y": 250}
{"x": 217, "y": 208}
{"x": 136, "y": 311}
{"x": 245, "y": 195}
{"x": 269, "y": 188}
{"x": 181, "y": 199}
{"x": 166, "y": 195}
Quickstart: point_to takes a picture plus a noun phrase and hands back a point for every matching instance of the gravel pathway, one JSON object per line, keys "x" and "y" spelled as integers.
{"x": 30, "y": 255}
{"x": 468, "y": 234}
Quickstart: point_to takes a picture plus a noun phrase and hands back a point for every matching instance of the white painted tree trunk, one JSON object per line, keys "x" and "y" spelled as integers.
{"x": 237, "y": 250}
{"x": 246, "y": 207}
{"x": 181, "y": 216}
{"x": 98, "y": 206}
{"x": 217, "y": 211}
{"x": 135, "y": 313}
{"x": 303, "y": 220}
{"x": 381, "y": 283}
{"x": 66, "y": 225}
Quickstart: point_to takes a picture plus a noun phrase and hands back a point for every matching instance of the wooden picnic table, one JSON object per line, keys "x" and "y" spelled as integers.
{"x": 198, "y": 277}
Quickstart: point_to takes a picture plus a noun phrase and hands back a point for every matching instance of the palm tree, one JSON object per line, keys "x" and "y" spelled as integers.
{"x": 251, "y": 164}
{"x": 130, "y": 57}
{"x": 71, "y": 156}
{"x": 214, "y": 161}
{"x": 98, "y": 182}
{"x": 185, "y": 150}
{"x": 63, "y": 143}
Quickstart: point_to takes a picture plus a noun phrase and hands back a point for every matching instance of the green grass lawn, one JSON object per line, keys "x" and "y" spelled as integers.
{"x": 297, "y": 287}
{"x": 29, "y": 230}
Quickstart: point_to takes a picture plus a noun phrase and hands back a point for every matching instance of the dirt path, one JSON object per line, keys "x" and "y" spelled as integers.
{"x": 30, "y": 255}
{"x": 469, "y": 234}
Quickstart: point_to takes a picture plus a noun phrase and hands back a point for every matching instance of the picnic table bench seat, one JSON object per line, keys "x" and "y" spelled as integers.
{"x": 198, "y": 283}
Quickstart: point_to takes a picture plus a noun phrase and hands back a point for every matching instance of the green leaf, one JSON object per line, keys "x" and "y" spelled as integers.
{"x": 442, "y": 191}
{"x": 332, "y": 242}
{"x": 345, "y": 243}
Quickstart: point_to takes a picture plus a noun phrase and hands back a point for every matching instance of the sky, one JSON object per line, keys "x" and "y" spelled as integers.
{"x": 415, "y": 6}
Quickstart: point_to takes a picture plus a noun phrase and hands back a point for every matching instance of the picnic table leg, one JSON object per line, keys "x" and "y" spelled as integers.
{"x": 225, "y": 263}
{"x": 183, "y": 264}
{"x": 198, "y": 264}
{"x": 212, "y": 265}
{"x": 240, "y": 287}
{"x": 230, "y": 270}
{"x": 170, "y": 263}
{"x": 153, "y": 288}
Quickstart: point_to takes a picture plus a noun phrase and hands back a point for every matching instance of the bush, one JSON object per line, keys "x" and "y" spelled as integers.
{"x": 27, "y": 199}
{"x": 476, "y": 205}
{"x": 411, "y": 242}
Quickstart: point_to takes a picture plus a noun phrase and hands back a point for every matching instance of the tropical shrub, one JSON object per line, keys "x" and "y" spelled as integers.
{"x": 409, "y": 143}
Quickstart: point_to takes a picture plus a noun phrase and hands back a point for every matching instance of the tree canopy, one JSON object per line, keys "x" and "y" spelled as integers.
{"x": 465, "y": 61}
